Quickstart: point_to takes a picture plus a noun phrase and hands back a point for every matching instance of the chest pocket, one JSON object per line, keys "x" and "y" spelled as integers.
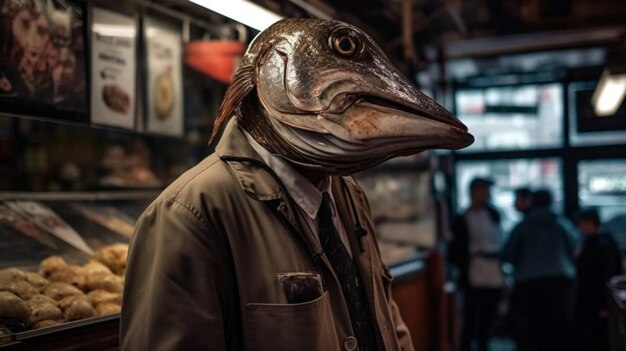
{"x": 305, "y": 326}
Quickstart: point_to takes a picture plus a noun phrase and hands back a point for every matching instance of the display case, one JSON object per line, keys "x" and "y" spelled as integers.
{"x": 60, "y": 249}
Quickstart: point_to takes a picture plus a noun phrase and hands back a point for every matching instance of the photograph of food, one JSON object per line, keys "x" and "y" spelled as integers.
{"x": 116, "y": 98}
{"x": 164, "y": 94}
{"x": 63, "y": 292}
{"x": 42, "y": 49}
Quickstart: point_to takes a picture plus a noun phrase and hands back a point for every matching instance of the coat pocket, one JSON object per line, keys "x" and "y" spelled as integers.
{"x": 303, "y": 326}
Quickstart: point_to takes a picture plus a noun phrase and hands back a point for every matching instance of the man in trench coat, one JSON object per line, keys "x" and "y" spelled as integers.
{"x": 207, "y": 253}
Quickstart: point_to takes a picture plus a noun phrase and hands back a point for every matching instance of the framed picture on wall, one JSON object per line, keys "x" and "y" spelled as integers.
{"x": 42, "y": 70}
{"x": 164, "y": 99}
{"x": 113, "y": 65}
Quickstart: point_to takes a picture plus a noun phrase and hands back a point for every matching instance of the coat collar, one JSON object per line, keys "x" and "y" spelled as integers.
{"x": 256, "y": 179}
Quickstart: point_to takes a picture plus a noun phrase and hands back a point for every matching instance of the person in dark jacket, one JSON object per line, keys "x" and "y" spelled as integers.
{"x": 475, "y": 250}
{"x": 541, "y": 248}
{"x": 599, "y": 260}
{"x": 523, "y": 200}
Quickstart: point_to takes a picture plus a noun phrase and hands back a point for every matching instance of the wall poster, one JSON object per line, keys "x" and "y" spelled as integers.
{"x": 164, "y": 108}
{"x": 42, "y": 58}
{"x": 113, "y": 68}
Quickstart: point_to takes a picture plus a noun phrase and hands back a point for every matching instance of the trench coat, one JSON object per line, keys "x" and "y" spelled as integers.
{"x": 205, "y": 255}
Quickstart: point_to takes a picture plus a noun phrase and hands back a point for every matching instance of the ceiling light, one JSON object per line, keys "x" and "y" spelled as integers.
{"x": 246, "y": 12}
{"x": 609, "y": 93}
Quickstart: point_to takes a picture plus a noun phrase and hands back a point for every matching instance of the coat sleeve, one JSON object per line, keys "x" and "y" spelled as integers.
{"x": 171, "y": 299}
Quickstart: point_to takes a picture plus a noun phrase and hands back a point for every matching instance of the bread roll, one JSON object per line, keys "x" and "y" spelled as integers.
{"x": 36, "y": 280}
{"x": 70, "y": 274}
{"x": 58, "y": 291}
{"x": 10, "y": 275}
{"x": 42, "y": 298}
{"x": 98, "y": 297}
{"x": 11, "y": 306}
{"x": 113, "y": 256}
{"x": 108, "y": 308}
{"x": 94, "y": 267}
{"x": 76, "y": 307}
{"x": 20, "y": 288}
{"x": 45, "y": 323}
{"x": 50, "y": 265}
{"x": 41, "y": 310}
{"x": 105, "y": 281}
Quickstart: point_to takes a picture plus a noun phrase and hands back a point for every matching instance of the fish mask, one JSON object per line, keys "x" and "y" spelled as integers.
{"x": 322, "y": 95}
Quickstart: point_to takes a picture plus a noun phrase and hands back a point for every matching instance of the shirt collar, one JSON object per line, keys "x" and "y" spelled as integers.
{"x": 306, "y": 195}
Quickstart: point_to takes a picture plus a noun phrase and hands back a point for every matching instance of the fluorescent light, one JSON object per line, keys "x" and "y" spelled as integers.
{"x": 246, "y": 12}
{"x": 609, "y": 94}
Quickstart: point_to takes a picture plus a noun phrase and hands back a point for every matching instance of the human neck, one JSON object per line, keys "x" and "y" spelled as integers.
{"x": 315, "y": 177}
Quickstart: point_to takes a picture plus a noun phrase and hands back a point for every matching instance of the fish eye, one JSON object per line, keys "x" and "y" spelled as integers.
{"x": 345, "y": 43}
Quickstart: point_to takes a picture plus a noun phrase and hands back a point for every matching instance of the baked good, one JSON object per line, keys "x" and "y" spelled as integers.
{"x": 58, "y": 291}
{"x": 95, "y": 267}
{"x": 42, "y": 298}
{"x": 105, "y": 281}
{"x": 51, "y": 264}
{"x": 163, "y": 94}
{"x": 11, "y": 306}
{"x": 98, "y": 297}
{"x": 20, "y": 288}
{"x": 113, "y": 256}
{"x": 115, "y": 98}
{"x": 76, "y": 307}
{"x": 10, "y": 275}
{"x": 45, "y": 323}
{"x": 42, "y": 310}
{"x": 36, "y": 280}
{"x": 108, "y": 308}
{"x": 70, "y": 274}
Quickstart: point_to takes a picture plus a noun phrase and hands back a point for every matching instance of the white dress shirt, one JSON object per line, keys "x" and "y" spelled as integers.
{"x": 305, "y": 194}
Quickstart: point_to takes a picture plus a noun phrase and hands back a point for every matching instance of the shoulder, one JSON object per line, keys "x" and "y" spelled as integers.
{"x": 204, "y": 183}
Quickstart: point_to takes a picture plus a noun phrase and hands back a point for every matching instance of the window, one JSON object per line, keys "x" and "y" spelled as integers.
{"x": 512, "y": 118}
{"x": 509, "y": 175}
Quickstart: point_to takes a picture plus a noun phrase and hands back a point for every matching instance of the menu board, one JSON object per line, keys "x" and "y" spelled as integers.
{"x": 113, "y": 68}
{"x": 42, "y": 58}
{"x": 164, "y": 107}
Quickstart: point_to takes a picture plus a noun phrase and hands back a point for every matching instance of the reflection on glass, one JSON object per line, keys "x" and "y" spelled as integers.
{"x": 518, "y": 117}
{"x": 509, "y": 175}
{"x": 602, "y": 184}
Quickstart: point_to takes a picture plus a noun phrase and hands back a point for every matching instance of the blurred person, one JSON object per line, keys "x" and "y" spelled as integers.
{"x": 475, "y": 250}
{"x": 523, "y": 200}
{"x": 599, "y": 260}
{"x": 541, "y": 248}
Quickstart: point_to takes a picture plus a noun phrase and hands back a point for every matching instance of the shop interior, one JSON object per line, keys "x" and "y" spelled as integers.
{"x": 118, "y": 98}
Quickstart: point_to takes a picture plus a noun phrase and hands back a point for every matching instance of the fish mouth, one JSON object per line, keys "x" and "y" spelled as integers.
{"x": 446, "y": 117}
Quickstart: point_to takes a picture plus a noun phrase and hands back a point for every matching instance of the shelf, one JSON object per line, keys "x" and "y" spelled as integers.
{"x": 81, "y": 196}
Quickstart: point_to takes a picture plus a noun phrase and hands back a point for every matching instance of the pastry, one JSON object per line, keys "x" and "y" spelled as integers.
{"x": 42, "y": 310}
{"x": 98, "y": 297}
{"x": 105, "y": 281}
{"x": 108, "y": 308}
{"x": 50, "y": 265}
{"x": 115, "y": 98}
{"x": 95, "y": 267}
{"x": 58, "y": 291}
{"x": 11, "y": 306}
{"x": 76, "y": 307}
{"x": 113, "y": 256}
{"x": 45, "y": 323}
{"x": 42, "y": 298}
{"x": 20, "y": 288}
{"x": 10, "y": 275}
{"x": 69, "y": 274}
{"x": 164, "y": 94}
{"x": 36, "y": 280}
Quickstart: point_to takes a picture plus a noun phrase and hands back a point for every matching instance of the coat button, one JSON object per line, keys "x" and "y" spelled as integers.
{"x": 350, "y": 343}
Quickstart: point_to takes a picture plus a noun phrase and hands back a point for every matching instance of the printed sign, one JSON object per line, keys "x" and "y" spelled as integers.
{"x": 113, "y": 69}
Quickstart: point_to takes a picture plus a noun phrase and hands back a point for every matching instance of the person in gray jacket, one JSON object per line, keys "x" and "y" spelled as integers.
{"x": 541, "y": 248}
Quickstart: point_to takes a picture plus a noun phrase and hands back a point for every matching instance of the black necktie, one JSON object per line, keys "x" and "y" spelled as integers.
{"x": 348, "y": 275}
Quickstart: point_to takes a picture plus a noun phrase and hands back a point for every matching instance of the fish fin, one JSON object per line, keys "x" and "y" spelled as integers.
{"x": 240, "y": 86}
